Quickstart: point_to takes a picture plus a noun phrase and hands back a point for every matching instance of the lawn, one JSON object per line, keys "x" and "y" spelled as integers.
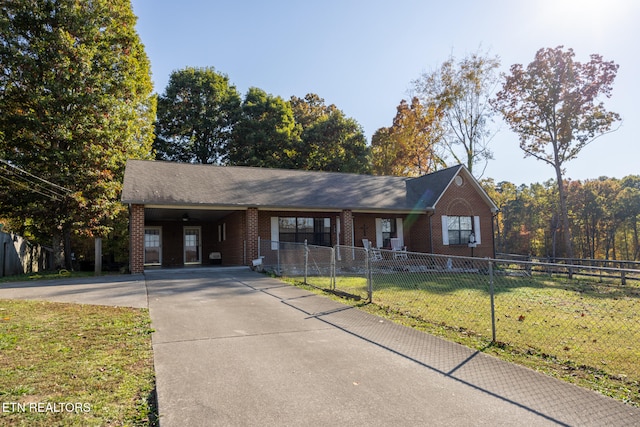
{"x": 584, "y": 331}
{"x": 75, "y": 365}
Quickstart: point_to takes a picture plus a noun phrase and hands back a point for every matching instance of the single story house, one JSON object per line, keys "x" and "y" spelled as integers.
{"x": 187, "y": 214}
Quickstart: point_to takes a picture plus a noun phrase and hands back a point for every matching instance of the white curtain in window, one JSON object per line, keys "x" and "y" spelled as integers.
{"x": 400, "y": 231}
{"x": 379, "y": 242}
{"x": 275, "y": 232}
{"x": 445, "y": 230}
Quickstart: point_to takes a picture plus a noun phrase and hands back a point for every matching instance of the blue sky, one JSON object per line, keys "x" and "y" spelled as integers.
{"x": 362, "y": 55}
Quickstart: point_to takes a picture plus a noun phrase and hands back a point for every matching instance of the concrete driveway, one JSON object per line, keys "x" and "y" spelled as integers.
{"x": 236, "y": 348}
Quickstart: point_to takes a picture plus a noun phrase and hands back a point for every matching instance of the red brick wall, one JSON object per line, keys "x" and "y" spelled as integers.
{"x": 252, "y": 233}
{"x": 346, "y": 222}
{"x": 136, "y": 239}
{"x": 232, "y": 247}
{"x": 463, "y": 201}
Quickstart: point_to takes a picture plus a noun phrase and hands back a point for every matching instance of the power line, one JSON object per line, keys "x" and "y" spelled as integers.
{"x": 66, "y": 190}
{"x": 26, "y": 187}
{"x": 30, "y": 184}
{"x": 33, "y": 183}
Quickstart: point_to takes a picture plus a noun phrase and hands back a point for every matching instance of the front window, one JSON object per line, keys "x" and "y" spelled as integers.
{"x": 389, "y": 231}
{"x": 316, "y": 231}
{"x": 152, "y": 246}
{"x": 460, "y": 227}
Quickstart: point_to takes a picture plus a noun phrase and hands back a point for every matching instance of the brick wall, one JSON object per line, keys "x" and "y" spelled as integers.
{"x": 463, "y": 200}
{"x": 346, "y": 221}
{"x": 252, "y": 233}
{"x": 136, "y": 239}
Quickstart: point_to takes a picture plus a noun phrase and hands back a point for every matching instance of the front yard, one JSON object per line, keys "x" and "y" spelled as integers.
{"x": 75, "y": 365}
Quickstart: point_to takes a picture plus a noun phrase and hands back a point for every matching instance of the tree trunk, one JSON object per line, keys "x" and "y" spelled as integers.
{"x": 57, "y": 243}
{"x": 564, "y": 213}
{"x": 636, "y": 251}
{"x": 68, "y": 259}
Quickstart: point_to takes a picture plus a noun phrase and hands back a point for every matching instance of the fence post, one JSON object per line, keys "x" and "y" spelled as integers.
{"x": 623, "y": 274}
{"x": 306, "y": 261}
{"x": 367, "y": 265}
{"x": 332, "y": 280}
{"x": 493, "y": 307}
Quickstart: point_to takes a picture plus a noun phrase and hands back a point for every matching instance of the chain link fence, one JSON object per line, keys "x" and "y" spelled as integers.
{"x": 581, "y": 316}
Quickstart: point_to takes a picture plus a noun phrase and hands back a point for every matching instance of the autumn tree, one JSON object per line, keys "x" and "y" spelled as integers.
{"x": 414, "y": 137}
{"x": 627, "y": 209}
{"x": 386, "y": 156}
{"x": 196, "y": 115}
{"x": 76, "y": 101}
{"x": 460, "y": 90}
{"x": 553, "y": 105}
{"x": 266, "y": 134}
{"x": 329, "y": 141}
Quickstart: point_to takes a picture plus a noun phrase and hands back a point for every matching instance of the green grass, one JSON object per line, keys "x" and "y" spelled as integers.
{"x": 582, "y": 331}
{"x": 53, "y": 353}
{"x": 47, "y": 275}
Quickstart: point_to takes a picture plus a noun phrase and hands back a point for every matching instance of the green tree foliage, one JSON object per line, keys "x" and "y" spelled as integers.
{"x": 604, "y": 215}
{"x": 553, "y": 105}
{"x": 266, "y": 134}
{"x": 196, "y": 115}
{"x": 329, "y": 141}
{"x": 76, "y": 101}
{"x": 460, "y": 90}
{"x": 627, "y": 210}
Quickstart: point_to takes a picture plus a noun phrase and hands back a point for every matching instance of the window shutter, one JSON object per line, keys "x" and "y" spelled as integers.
{"x": 445, "y": 230}
{"x": 378, "y": 232}
{"x": 476, "y": 229}
{"x": 275, "y": 232}
{"x": 400, "y": 231}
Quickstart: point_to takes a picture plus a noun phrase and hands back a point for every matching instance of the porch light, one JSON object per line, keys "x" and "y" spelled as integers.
{"x": 185, "y": 217}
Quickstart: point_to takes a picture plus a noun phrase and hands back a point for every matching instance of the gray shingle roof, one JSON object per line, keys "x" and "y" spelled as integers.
{"x": 182, "y": 184}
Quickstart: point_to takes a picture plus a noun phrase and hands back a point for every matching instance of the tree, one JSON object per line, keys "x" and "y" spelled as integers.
{"x": 461, "y": 91}
{"x": 627, "y": 209}
{"x": 76, "y": 101}
{"x": 415, "y": 132}
{"x": 329, "y": 141}
{"x": 266, "y": 134}
{"x": 553, "y": 107}
{"x": 385, "y": 154}
{"x": 196, "y": 115}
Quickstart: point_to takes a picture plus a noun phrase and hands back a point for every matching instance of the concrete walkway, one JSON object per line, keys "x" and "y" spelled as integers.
{"x": 236, "y": 348}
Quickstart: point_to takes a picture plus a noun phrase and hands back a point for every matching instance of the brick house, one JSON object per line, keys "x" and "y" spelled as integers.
{"x": 185, "y": 214}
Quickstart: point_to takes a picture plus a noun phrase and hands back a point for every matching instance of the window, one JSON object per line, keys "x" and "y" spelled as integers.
{"x": 459, "y": 228}
{"x": 389, "y": 231}
{"x": 152, "y": 246}
{"x": 316, "y": 231}
{"x": 192, "y": 248}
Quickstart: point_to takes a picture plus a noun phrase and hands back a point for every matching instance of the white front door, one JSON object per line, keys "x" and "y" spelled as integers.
{"x": 192, "y": 245}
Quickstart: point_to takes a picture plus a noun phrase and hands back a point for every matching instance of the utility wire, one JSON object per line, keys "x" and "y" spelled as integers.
{"x": 26, "y": 187}
{"x": 66, "y": 190}
{"x": 32, "y": 182}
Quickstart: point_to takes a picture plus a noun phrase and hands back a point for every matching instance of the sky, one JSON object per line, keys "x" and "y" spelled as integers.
{"x": 362, "y": 56}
